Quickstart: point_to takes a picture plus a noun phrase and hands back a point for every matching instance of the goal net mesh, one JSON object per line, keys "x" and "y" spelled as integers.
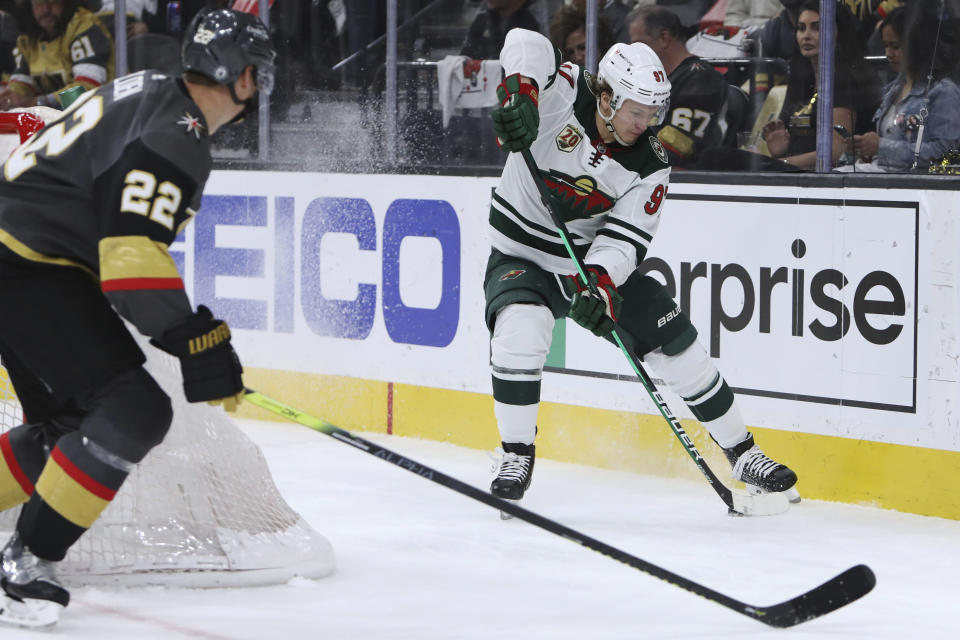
{"x": 200, "y": 510}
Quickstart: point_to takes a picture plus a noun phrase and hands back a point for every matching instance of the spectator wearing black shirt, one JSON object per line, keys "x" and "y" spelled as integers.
{"x": 698, "y": 93}
{"x": 777, "y": 38}
{"x": 489, "y": 29}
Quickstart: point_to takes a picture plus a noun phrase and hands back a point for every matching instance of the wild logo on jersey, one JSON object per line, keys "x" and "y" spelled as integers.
{"x": 513, "y": 273}
{"x": 578, "y": 197}
{"x": 658, "y": 148}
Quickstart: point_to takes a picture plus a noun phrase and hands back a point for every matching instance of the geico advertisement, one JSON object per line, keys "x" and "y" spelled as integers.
{"x": 810, "y": 306}
{"x": 367, "y": 276}
{"x": 812, "y": 301}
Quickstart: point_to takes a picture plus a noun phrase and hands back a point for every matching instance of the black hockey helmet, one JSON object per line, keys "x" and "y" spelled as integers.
{"x": 221, "y": 43}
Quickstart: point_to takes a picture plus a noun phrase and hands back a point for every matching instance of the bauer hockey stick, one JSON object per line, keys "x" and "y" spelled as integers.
{"x": 840, "y": 590}
{"x": 764, "y": 504}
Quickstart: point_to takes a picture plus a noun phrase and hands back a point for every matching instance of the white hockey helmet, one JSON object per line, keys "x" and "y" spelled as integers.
{"x": 634, "y": 72}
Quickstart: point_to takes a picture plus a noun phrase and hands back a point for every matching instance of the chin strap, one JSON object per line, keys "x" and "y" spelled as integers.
{"x": 249, "y": 106}
{"x": 608, "y": 122}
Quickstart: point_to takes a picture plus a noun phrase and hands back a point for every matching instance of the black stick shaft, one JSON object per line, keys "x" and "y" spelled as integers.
{"x": 823, "y": 599}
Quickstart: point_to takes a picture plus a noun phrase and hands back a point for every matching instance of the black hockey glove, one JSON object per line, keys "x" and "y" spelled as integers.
{"x": 210, "y": 367}
{"x": 517, "y": 119}
{"x": 596, "y": 314}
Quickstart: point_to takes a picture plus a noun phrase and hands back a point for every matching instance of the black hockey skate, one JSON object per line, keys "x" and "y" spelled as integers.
{"x": 514, "y": 473}
{"x": 32, "y": 592}
{"x": 760, "y": 473}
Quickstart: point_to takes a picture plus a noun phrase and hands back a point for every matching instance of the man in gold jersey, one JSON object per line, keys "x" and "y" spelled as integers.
{"x": 61, "y": 45}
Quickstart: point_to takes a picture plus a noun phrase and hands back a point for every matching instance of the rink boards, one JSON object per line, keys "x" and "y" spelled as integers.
{"x": 831, "y": 310}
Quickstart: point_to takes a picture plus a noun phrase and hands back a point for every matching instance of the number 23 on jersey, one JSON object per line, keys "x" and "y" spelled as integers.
{"x": 56, "y": 137}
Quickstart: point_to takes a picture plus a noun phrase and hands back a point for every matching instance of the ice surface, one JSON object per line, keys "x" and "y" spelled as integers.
{"x": 417, "y": 560}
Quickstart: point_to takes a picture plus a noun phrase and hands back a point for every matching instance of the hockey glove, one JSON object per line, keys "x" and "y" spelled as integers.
{"x": 596, "y": 314}
{"x": 210, "y": 367}
{"x": 516, "y": 120}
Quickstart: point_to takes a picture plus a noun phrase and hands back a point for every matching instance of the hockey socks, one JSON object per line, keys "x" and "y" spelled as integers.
{"x": 518, "y": 349}
{"x": 77, "y": 483}
{"x": 21, "y": 459}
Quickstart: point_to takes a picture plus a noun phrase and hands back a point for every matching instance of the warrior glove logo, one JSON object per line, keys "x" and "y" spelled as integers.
{"x": 209, "y": 340}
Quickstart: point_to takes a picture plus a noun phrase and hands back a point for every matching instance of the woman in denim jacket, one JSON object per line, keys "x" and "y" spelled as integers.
{"x": 912, "y": 100}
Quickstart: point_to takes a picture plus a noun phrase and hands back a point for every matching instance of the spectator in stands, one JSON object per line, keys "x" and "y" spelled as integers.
{"x": 134, "y": 9}
{"x": 777, "y": 38}
{"x": 614, "y": 14}
{"x": 489, "y": 29}
{"x": 698, "y": 94}
{"x": 568, "y": 33}
{"x": 156, "y": 14}
{"x": 688, "y": 11}
{"x": 891, "y": 31}
{"x": 922, "y": 95}
{"x": 870, "y": 12}
{"x": 8, "y": 38}
{"x": 61, "y": 45}
{"x": 750, "y": 14}
{"x": 793, "y": 136}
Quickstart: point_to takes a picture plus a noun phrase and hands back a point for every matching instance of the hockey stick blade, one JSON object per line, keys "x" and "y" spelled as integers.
{"x": 831, "y": 595}
{"x": 852, "y": 584}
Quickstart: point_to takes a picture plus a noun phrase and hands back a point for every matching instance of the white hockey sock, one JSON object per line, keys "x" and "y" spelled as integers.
{"x": 728, "y": 430}
{"x": 518, "y": 349}
{"x": 692, "y": 375}
{"x": 518, "y": 423}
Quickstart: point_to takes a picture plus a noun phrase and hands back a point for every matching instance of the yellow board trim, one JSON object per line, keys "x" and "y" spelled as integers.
{"x": 68, "y": 497}
{"x": 911, "y": 479}
{"x": 349, "y": 403}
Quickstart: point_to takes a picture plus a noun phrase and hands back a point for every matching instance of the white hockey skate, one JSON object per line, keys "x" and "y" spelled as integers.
{"x": 514, "y": 473}
{"x": 760, "y": 473}
{"x": 32, "y": 594}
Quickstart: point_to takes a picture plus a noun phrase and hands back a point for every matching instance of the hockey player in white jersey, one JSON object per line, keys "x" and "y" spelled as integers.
{"x": 608, "y": 177}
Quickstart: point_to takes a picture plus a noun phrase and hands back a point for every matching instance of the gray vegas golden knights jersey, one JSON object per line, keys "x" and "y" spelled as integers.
{"x": 610, "y": 196}
{"x": 105, "y": 189}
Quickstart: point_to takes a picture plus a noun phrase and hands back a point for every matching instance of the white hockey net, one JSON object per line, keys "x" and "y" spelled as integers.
{"x": 201, "y": 510}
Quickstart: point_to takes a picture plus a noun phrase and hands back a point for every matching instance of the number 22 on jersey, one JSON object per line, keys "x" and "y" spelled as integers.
{"x": 83, "y": 115}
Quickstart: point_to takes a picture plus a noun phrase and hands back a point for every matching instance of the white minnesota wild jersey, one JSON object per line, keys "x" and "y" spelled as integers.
{"x": 609, "y": 196}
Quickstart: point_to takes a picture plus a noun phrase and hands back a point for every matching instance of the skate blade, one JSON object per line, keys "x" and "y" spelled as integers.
{"x": 791, "y": 494}
{"x": 29, "y": 613}
{"x": 508, "y": 516}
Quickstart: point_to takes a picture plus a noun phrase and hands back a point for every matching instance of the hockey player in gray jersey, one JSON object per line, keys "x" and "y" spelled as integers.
{"x": 608, "y": 176}
{"x": 88, "y": 208}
